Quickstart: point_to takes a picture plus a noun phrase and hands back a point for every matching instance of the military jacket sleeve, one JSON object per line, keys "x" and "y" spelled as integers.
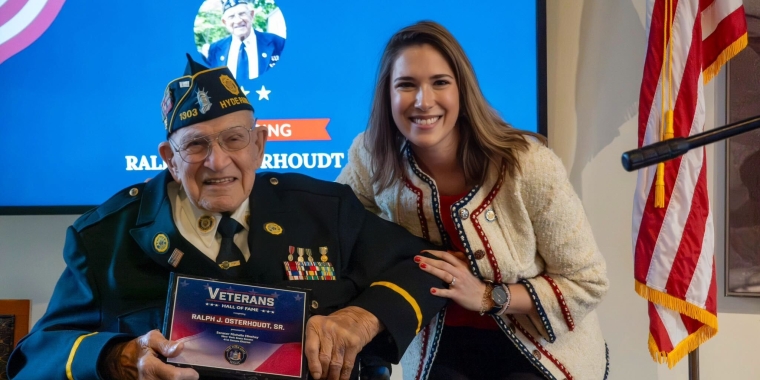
{"x": 396, "y": 291}
{"x": 65, "y": 343}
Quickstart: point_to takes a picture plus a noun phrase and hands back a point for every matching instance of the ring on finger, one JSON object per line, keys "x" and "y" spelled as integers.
{"x": 453, "y": 281}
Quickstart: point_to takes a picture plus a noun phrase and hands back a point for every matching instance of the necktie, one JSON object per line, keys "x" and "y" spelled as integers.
{"x": 230, "y": 257}
{"x": 242, "y": 66}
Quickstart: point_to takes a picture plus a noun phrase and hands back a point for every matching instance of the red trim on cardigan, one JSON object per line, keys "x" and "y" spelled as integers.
{"x": 483, "y": 238}
{"x": 425, "y": 335}
{"x": 561, "y": 299}
{"x": 420, "y": 211}
{"x": 541, "y": 348}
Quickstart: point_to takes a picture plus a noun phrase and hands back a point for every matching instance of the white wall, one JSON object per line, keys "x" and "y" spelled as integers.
{"x": 596, "y": 55}
{"x": 595, "y": 62}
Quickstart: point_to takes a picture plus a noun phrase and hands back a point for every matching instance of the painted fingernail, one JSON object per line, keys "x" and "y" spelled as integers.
{"x": 423, "y": 265}
{"x": 417, "y": 259}
{"x": 433, "y": 291}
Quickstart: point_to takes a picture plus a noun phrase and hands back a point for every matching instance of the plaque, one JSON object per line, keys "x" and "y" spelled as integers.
{"x": 237, "y": 330}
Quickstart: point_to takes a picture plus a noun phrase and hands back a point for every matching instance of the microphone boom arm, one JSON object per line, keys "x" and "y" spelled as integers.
{"x": 672, "y": 148}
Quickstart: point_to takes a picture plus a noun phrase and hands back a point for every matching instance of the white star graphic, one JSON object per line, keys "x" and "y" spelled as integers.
{"x": 263, "y": 93}
{"x": 245, "y": 92}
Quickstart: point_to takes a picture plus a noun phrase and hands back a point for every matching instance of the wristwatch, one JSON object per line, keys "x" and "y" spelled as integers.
{"x": 500, "y": 296}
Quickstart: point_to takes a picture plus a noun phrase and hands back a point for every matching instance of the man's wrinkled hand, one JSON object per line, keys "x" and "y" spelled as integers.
{"x": 333, "y": 341}
{"x": 139, "y": 359}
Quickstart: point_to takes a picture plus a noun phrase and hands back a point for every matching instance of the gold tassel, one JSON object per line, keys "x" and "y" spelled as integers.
{"x": 668, "y": 117}
{"x": 659, "y": 187}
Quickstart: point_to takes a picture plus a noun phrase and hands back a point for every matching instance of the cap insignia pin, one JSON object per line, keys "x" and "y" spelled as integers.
{"x": 229, "y": 84}
{"x": 203, "y": 100}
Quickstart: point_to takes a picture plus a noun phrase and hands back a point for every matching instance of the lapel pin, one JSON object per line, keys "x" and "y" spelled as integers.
{"x": 206, "y": 223}
{"x": 176, "y": 257}
{"x": 273, "y": 228}
{"x": 161, "y": 243}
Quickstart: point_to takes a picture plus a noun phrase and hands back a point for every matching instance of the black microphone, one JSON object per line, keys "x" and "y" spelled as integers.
{"x": 655, "y": 153}
{"x": 672, "y": 148}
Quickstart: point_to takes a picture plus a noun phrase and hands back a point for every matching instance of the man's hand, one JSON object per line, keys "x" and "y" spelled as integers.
{"x": 138, "y": 359}
{"x": 333, "y": 341}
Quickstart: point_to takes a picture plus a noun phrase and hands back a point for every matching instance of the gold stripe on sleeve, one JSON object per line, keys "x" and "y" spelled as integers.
{"x": 73, "y": 352}
{"x": 408, "y": 297}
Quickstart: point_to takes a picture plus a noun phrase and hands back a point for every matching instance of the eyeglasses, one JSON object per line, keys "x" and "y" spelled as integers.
{"x": 198, "y": 149}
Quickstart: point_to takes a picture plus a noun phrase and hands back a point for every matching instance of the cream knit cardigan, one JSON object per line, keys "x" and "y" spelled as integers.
{"x": 530, "y": 229}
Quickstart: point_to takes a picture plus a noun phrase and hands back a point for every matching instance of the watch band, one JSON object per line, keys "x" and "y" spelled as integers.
{"x": 486, "y": 303}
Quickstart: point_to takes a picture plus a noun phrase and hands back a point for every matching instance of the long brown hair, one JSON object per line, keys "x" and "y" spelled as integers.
{"x": 484, "y": 137}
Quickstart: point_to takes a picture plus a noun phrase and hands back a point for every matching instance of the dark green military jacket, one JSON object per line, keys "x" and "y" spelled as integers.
{"x": 115, "y": 283}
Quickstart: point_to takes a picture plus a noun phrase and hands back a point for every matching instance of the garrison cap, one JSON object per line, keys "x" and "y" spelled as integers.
{"x": 233, "y": 3}
{"x": 202, "y": 94}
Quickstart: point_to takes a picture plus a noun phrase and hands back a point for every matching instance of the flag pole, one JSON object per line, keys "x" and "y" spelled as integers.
{"x": 694, "y": 364}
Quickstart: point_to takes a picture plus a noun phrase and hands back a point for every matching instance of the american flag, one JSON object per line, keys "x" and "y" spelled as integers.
{"x": 674, "y": 267}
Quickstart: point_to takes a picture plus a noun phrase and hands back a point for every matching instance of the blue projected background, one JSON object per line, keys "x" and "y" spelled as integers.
{"x": 82, "y": 83}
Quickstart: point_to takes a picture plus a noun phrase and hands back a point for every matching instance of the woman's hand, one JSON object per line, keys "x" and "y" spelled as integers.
{"x": 464, "y": 288}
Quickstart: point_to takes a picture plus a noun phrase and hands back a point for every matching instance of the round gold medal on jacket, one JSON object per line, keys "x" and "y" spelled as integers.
{"x": 161, "y": 243}
{"x": 273, "y": 228}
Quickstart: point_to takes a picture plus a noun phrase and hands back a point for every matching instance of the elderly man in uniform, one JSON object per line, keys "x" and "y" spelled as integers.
{"x": 247, "y": 52}
{"x": 204, "y": 217}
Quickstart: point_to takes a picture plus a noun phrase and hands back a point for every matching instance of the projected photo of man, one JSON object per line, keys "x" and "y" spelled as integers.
{"x": 248, "y": 37}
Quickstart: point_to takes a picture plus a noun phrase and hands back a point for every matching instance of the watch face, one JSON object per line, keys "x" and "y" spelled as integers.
{"x": 498, "y": 295}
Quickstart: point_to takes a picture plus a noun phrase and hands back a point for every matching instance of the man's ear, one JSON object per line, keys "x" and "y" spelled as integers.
{"x": 167, "y": 154}
{"x": 261, "y": 134}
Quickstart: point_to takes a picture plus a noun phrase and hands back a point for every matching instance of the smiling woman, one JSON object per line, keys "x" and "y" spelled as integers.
{"x": 437, "y": 159}
{"x": 425, "y": 101}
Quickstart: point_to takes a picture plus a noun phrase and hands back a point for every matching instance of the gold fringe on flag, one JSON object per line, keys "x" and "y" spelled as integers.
{"x": 691, "y": 342}
{"x": 686, "y": 346}
{"x": 711, "y": 71}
